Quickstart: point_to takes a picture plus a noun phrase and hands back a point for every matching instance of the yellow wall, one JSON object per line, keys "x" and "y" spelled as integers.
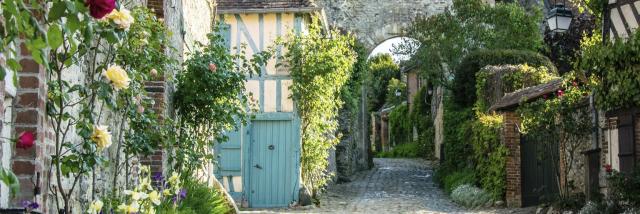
{"x": 258, "y": 32}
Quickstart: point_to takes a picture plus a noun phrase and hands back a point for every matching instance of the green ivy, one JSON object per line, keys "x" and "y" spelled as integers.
{"x": 400, "y": 126}
{"x": 613, "y": 70}
{"x": 321, "y": 64}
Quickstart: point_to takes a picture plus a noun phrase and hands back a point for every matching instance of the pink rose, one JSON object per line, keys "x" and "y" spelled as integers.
{"x": 560, "y": 93}
{"x": 545, "y": 96}
{"x": 25, "y": 140}
{"x": 100, "y": 8}
{"x": 575, "y": 84}
{"x": 213, "y": 67}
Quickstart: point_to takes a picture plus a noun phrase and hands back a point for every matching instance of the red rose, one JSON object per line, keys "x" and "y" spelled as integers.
{"x": 100, "y": 8}
{"x": 213, "y": 67}
{"x": 608, "y": 168}
{"x": 560, "y": 93}
{"x": 25, "y": 140}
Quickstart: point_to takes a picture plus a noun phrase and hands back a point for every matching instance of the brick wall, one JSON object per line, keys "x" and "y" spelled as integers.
{"x": 157, "y": 7}
{"x": 156, "y": 90}
{"x": 29, "y": 113}
{"x": 510, "y": 136}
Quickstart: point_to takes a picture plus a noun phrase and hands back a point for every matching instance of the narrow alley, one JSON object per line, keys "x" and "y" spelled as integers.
{"x": 392, "y": 186}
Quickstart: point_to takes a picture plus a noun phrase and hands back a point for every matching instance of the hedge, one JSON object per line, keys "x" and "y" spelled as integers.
{"x": 464, "y": 87}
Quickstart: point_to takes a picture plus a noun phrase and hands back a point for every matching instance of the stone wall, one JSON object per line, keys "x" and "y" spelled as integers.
{"x": 374, "y": 21}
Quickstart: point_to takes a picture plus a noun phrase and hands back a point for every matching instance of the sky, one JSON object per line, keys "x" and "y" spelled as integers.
{"x": 387, "y": 46}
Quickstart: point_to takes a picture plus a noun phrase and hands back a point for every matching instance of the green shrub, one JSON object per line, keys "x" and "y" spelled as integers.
{"x": 381, "y": 69}
{"x": 458, "y": 178}
{"x": 421, "y": 118}
{"x": 470, "y": 196}
{"x": 625, "y": 187}
{"x": 464, "y": 87}
{"x": 200, "y": 199}
{"x": 407, "y": 150}
{"x": 400, "y": 127}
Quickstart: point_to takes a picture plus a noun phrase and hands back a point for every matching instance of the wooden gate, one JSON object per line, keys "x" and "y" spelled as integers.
{"x": 273, "y": 163}
{"x": 538, "y": 167}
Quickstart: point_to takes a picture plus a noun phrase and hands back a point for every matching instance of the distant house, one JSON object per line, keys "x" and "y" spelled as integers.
{"x": 260, "y": 165}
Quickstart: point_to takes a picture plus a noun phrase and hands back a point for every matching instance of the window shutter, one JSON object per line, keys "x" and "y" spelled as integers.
{"x": 626, "y": 140}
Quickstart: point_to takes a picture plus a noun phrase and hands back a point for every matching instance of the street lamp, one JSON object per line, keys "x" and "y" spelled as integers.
{"x": 398, "y": 93}
{"x": 559, "y": 18}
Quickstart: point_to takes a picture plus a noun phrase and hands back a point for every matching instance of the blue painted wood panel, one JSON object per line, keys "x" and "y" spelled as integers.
{"x": 273, "y": 162}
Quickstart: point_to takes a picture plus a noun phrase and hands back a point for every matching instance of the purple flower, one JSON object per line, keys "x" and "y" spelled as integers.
{"x": 158, "y": 177}
{"x": 30, "y": 205}
{"x": 182, "y": 194}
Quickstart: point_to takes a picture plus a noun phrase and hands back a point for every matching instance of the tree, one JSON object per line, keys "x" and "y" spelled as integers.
{"x": 382, "y": 69}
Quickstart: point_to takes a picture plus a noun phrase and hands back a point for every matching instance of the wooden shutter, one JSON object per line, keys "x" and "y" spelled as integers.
{"x": 626, "y": 140}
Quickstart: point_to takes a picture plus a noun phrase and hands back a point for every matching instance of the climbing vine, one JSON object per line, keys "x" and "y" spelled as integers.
{"x": 560, "y": 117}
{"x": 320, "y": 64}
{"x": 612, "y": 71}
{"x": 489, "y": 152}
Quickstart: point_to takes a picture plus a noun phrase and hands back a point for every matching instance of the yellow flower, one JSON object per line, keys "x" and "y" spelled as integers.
{"x": 166, "y": 192}
{"x": 118, "y": 77}
{"x": 145, "y": 184}
{"x": 95, "y": 207}
{"x": 155, "y": 197}
{"x": 134, "y": 207}
{"x": 174, "y": 179}
{"x": 101, "y": 136}
{"x": 136, "y": 195}
{"x": 122, "y": 18}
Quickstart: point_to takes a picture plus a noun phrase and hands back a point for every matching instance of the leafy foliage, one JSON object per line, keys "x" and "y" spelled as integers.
{"x": 464, "y": 87}
{"x": 562, "y": 48}
{"x": 400, "y": 126}
{"x": 612, "y": 70}
{"x": 320, "y": 65}
{"x": 447, "y": 37}
{"x": 210, "y": 99}
{"x": 396, "y": 92}
{"x": 625, "y": 188}
{"x": 420, "y": 117}
{"x": 406, "y": 150}
{"x": 200, "y": 198}
{"x": 382, "y": 69}
{"x": 458, "y": 178}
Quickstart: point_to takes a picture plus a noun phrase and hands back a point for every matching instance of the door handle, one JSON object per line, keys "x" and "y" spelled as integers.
{"x": 257, "y": 166}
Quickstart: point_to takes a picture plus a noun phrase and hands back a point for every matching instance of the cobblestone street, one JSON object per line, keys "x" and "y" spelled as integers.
{"x": 392, "y": 186}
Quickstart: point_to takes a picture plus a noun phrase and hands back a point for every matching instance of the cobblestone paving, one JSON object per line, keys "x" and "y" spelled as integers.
{"x": 392, "y": 186}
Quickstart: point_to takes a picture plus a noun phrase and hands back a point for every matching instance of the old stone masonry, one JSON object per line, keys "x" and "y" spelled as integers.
{"x": 392, "y": 186}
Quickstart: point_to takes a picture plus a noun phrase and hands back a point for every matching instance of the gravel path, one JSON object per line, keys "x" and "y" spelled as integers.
{"x": 392, "y": 186}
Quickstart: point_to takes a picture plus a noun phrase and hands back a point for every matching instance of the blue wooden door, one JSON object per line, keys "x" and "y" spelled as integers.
{"x": 229, "y": 161}
{"x": 273, "y": 163}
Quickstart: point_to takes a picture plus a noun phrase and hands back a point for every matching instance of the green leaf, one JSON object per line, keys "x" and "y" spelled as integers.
{"x": 57, "y": 11}
{"x": 2, "y": 72}
{"x": 73, "y": 23}
{"x": 13, "y": 64}
{"x": 54, "y": 36}
{"x": 11, "y": 180}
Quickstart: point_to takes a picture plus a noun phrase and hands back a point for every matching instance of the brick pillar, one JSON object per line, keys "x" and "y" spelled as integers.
{"x": 30, "y": 115}
{"x": 511, "y": 138}
{"x": 157, "y": 91}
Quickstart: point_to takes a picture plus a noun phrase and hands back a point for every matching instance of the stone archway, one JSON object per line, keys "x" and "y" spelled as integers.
{"x": 375, "y": 21}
